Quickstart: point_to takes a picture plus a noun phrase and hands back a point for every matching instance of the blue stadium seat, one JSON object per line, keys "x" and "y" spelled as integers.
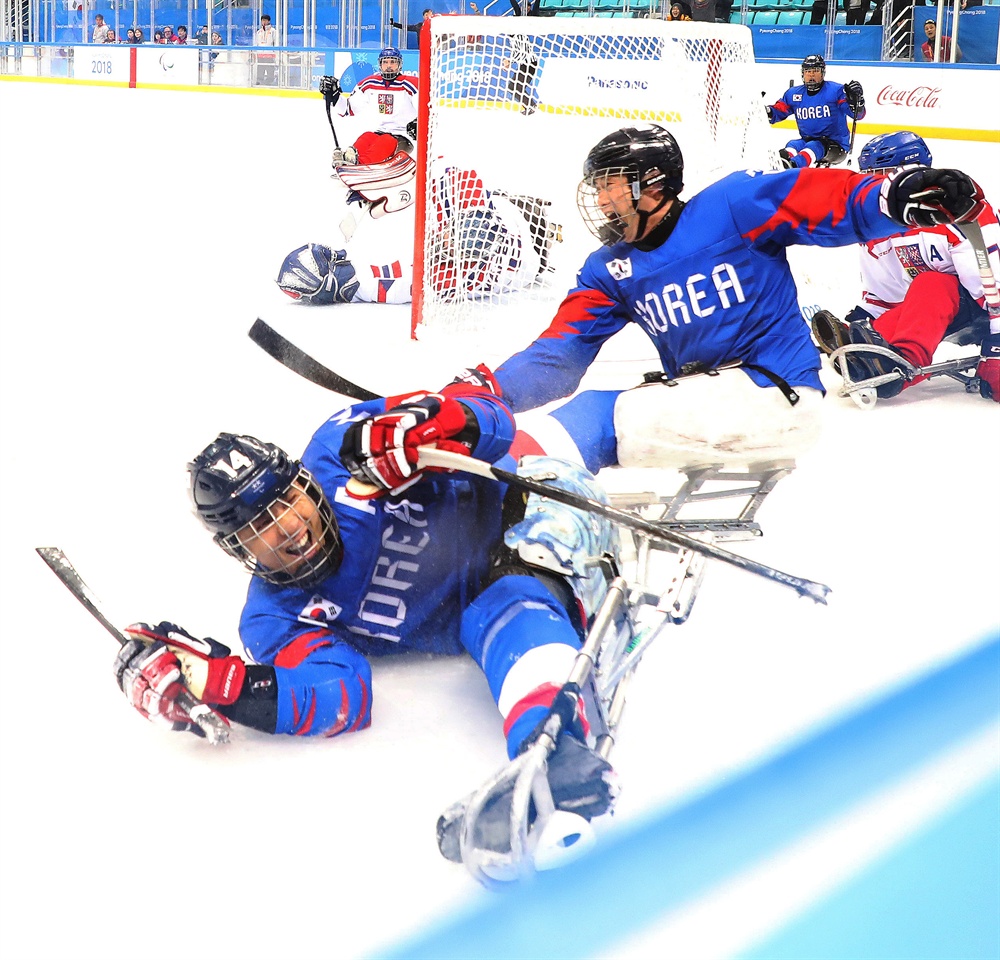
{"x": 764, "y": 17}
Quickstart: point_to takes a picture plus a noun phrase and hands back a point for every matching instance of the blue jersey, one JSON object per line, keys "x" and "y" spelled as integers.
{"x": 718, "y": 289}
{"x": 412, "y": 564}
{"x": 820, "y": 114}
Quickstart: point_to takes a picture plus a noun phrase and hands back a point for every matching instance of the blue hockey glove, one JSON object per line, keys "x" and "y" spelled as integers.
{"x": 316, "y": 274}
{"x": 925, "y": 197}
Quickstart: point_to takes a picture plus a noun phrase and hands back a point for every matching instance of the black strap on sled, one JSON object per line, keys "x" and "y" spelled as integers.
{"x": 698, "y": 368}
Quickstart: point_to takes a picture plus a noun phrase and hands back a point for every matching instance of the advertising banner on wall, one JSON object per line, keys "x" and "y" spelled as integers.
{"x": 102, "y": 61}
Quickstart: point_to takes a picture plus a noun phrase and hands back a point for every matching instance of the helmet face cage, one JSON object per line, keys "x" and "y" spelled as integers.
{"x": 294, "y": 540}
{"x": 814, "y": 62}
{"x": 609, "y": 227}
{"x": 390, "y": 63}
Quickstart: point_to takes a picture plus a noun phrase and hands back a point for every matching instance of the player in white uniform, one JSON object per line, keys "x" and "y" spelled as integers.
{"x": 387, "y": 100}
{"x": 918, "y": 288}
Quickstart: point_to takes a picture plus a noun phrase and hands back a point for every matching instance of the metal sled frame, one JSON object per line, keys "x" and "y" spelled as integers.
{"x": 659, "y": 591}
{"x": 863, "y": 392}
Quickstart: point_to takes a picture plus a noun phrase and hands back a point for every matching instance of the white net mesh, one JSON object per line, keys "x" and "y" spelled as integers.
{"x": 521, "y": 106}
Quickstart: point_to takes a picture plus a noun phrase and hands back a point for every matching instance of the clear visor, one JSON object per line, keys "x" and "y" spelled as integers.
{"x": 390, "y": 66}
{"x": 607, "y": 202}
{"x": 293, "y": 540}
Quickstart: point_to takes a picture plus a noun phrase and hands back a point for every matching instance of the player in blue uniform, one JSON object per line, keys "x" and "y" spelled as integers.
{"x": 709, "y": 282}
{"x": 350, "y": 561}
{"x": 821, "y": 109}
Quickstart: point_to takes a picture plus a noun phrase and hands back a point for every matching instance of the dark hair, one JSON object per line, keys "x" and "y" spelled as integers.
{"x": 264, "y": 17}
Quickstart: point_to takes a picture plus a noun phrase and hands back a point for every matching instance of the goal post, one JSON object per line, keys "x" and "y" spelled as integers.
{"x": 510, "y": 107}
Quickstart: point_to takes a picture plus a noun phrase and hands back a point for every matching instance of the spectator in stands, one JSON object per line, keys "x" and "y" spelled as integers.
{"x": 112, "y": 37}
{"x": 168, "y": 34}
{"x": 857, "y": 10}
{"x": 679, "y": 10}
{"x": 140, "y": 37}
{"x": 820, "y": 9}
{"x": 182, "y": 34}
{"x": 266, "y": 36}
{"x": 100, "y": 34}
{"x": 723, "y": 11}
{"x": 130, "y": 35}
{"x": 927, "y": 49}
{"x": 158, "y": 36}
{"x": 703, "y": 10}
{"x": 415, "y": 28}
{"x": 202, "y": 35}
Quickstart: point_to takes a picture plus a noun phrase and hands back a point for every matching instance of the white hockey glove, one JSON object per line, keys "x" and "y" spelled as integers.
{"x": 316, "y": 274}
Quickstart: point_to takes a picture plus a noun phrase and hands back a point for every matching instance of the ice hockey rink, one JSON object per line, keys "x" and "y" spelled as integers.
{"x": 797, "y": 780}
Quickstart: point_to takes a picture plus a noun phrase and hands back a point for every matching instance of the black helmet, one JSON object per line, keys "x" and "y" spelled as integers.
{"x": 814, "y": 62}
{"x": 647, "y": 155}
{"x": 237, "y": 481}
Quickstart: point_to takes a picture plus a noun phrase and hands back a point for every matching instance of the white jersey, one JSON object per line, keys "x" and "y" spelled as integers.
{"x": 386, "y": 106}
{"x": 889, "y": 266}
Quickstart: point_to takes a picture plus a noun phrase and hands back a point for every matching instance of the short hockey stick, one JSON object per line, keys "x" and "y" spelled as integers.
{"x": 432, "y": 457}
{"x": 329, "y": 118}
{"x": 974, "y": 234}
{"x": 215, "y": 730}
{"x": 297, "y": 360}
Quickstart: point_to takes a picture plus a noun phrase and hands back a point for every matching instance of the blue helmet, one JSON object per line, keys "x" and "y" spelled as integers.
{"x": 892, "y": 150}
{"x": 390, "y": 71}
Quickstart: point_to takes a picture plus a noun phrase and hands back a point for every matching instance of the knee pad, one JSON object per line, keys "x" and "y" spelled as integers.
{"x": 557, "y": 539}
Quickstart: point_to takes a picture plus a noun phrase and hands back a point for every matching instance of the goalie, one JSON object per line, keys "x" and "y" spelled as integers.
{"x": 487, "y": 241}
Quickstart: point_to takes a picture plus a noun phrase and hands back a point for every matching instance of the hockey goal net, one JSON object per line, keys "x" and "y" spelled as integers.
{"x": 520, "y": 101}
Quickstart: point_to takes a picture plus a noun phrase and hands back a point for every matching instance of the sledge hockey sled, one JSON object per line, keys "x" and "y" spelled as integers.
{"x": 513, "y": 824}
{"x": 864, "y": 392}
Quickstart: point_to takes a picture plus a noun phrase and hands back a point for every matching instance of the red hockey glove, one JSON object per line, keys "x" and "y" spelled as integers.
{"x": 479, "y": 376}
{"x": 925, "y": 197}
{"x": 382, "y": 451}
{"x": 159, "y": 663}
{"x": 988, "y": 370}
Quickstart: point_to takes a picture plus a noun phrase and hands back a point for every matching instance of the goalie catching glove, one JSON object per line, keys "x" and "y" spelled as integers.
{"x": 381, "y": 451}
{"x": 316, "y": 274}
{"x": 159, "y": 662}
{"x": 925, "y": 197}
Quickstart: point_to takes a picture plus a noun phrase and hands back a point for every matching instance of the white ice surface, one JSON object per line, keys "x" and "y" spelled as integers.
{"x": 139, "y": 235}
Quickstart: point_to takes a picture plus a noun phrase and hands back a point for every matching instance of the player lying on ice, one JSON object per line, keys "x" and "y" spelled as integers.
{"x": 919, "y": 287}
{"x": 821, "y": 108}
{"x": 708, "y": 281}
{"x": 489, "y": 241}
{"x": 353, "y": 557}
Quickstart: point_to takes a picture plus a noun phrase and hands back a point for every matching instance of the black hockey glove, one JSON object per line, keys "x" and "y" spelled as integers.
{"x": 411, "y": 130}
{"x": 855, "y": 96}
{"x": 330, "y": 88}
{"x": 925, "y": 197}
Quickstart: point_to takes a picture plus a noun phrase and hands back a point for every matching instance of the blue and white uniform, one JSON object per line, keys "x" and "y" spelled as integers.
{"x": 820, "y": 115}
{"x": 717, "y": 289}
{"x": 411, "y": 579}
